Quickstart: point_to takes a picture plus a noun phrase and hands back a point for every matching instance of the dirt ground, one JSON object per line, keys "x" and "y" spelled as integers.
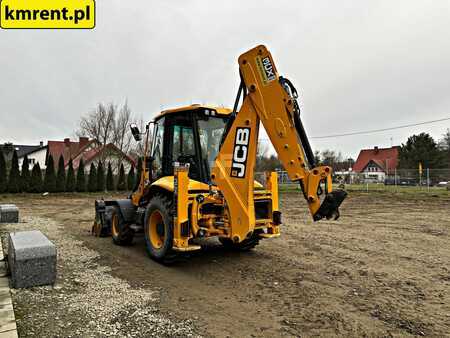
{"x": 381, "y": 270}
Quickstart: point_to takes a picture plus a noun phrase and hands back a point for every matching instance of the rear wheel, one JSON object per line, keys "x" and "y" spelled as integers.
{"x": 120, "y": 232}
{"x": 159, "y": 229}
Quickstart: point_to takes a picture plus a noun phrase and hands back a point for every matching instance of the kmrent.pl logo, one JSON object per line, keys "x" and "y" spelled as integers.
{"x": 16, "y": 14}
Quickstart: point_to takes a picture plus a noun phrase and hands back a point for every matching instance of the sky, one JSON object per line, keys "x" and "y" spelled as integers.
{"x": 358, "y": 65}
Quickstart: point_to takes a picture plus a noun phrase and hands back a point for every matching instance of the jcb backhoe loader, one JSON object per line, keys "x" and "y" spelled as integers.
{"x": 197, "y": 178}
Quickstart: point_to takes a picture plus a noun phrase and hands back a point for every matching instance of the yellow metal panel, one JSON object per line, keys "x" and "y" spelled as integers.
{"x": 219, "y": 110}
{"x": 182, "y": 194}
{"x": 272, "y": 185}
{"x": 181, "y": 183}
{"x": 167, "y": 184}
{"x": 233, "y": 181}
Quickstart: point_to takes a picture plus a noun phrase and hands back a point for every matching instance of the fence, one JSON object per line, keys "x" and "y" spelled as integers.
{"x": 430, "y": 180}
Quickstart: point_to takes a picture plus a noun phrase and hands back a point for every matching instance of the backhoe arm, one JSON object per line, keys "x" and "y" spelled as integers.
{"x": 271, "y": 99}
{"x": 274, "y": 100}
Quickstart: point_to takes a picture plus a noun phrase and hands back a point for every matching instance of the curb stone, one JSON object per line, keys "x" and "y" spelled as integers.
{"x": 8, "y": 328}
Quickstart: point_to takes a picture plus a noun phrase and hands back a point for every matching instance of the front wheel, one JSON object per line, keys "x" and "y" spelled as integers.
{"x": 159, "y": 229}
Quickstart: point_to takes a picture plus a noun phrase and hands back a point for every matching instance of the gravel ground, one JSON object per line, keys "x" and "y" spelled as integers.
{"x": 86, "y": 300}
{"x": 381, "y": 270}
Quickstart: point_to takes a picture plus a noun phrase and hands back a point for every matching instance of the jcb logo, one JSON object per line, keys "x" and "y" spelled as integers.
{"x": 240, "y": 152}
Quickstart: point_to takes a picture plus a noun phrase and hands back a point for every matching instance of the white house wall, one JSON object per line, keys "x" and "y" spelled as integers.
{"x": 37, "y": 156}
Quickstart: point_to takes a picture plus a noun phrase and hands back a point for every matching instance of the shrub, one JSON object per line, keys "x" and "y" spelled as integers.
{"x": 81, "y": 179}
{"x": 109, "y": 178}
{"x": 121, "y": 182}
{"x": 50, "y": 177}
{"x": 61, "y": 176}
{"x": 70, "y": 181}
{"x": 3, "y": 178}
{"x": 36, "y": 179}
{"x": 92, "y": 179}
{"x": 100, "y": 177}
{"x": 25, "y": 175}
{"x": 14, "y": 182}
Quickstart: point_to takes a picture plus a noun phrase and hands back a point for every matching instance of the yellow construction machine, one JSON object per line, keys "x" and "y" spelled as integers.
{"x": 197, "y": 175}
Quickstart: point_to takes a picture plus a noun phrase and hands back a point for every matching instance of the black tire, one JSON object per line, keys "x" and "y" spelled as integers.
{"x": 246, "y": 245}
{"x": 158, "y": 229}
{"x": 120, "y": 232}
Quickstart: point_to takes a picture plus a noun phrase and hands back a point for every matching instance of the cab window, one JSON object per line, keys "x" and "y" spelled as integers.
{"x": 157, "y": 153}
{"x": 183, "y": 143}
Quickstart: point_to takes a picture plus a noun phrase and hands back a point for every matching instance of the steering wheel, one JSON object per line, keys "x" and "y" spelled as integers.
{"x": 186, "y": 159}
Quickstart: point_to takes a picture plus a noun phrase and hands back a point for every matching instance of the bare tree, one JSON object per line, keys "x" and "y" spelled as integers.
{"x": 109, "y": 124}
{"x": 98, "y": 124}
{"x": 331, "y": 157}
{"x": 122, "y": 137}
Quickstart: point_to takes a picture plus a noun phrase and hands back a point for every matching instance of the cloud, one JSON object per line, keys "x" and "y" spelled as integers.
{"x": 358, "y": 65}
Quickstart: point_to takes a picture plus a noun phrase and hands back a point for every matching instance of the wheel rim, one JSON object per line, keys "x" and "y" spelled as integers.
{"x": 156, "y": 230}
{"x": 115, "y": 222}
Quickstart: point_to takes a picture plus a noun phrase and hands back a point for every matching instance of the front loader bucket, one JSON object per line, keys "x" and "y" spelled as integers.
{"x": 99, "y": 228}
{"x": 330, "y": 205}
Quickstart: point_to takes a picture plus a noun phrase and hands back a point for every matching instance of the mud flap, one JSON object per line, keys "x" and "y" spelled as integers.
{"x": 330, "y": 205}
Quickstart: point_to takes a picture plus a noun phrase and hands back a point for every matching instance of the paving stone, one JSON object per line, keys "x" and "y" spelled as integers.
{"x": 3, "y": 269}
{"x": 32, "y": 259}
{"x": 6, "y": 307}
{"x": 5, "y": 296}
{"x": 9, "y": 334}
{"x": 9, "y": 213}
{"x": 7, "y": 320}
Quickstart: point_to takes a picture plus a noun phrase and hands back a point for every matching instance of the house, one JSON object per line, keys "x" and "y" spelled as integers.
{"x": 374, "y": 164}
{"x": 91, "y": 151}
{"x": 35, "y": 153}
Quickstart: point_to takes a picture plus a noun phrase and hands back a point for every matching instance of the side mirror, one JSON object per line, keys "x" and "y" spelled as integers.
{"x": 135, "y": 131}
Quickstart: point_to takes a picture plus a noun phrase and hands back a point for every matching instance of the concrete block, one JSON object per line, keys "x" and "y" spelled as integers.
{"x": 9, "y": 213}
{"x": 32, "y": 259}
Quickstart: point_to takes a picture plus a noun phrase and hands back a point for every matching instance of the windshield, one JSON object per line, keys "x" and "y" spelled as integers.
{"x": 210, "y": 130}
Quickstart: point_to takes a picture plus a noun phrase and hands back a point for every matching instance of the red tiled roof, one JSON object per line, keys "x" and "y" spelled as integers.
{"x": 91, "y": 154}
{"x": 68, "y": 149}
{"x": 81, "y": 150}
{"x": 386, "y": 158}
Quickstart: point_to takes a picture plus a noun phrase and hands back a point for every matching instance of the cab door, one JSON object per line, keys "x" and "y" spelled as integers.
{"x": 183, "y": 144}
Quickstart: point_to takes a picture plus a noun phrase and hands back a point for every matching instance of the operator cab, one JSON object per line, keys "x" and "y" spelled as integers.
{"x": 189, "y": 136}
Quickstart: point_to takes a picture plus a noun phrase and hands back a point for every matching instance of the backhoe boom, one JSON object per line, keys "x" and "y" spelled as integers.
{"x": 270, "y": 99}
